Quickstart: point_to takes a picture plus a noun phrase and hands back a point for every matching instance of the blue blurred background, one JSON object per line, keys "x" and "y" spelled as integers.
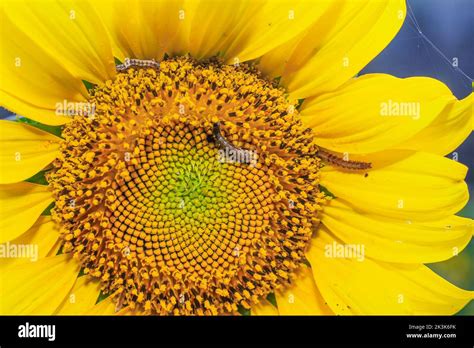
{"x": 435, "y": 32}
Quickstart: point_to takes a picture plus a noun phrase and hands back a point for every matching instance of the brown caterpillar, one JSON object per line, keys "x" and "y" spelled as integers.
{"x": 231, "y": 152}
{"x": 340, "y": 162}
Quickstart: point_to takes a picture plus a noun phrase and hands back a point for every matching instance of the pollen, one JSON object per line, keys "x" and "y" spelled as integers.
{"x": 157, "y": 204}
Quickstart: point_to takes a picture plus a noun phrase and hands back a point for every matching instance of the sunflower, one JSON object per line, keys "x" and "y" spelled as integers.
{"x": 223, "y": 157}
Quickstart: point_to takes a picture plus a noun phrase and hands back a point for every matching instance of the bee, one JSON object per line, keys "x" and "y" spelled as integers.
{"x": 150, "y": 63}
{"x": 235, "y": 154}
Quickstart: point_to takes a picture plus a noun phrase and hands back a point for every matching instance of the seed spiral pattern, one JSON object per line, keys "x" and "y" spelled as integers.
{"x": 165, "y": 216}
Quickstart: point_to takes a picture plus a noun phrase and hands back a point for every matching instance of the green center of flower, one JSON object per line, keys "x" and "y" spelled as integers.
{"x": 192, "y": 190}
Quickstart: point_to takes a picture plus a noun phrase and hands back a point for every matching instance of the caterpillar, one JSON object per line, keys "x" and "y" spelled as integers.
{"x": 340, "y": 162}
{"x": 229, "y": 152}
{"x": 137, "y": 62}
{"x": 246, "y": 156}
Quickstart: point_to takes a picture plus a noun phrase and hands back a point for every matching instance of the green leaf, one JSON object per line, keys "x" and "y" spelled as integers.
{"x": 102, "y": 297}
{"x": 47, "y": 211}
{"x": 117, "y": 61}
{"x": 243, "y": 311}
{"x": 39, "y": 178}
{"x": 60, "y": 251}
{"x": 56, "y": 130}
{"x": 89, "y": 85}
{"x": 272, "y": 299}
{"x": 326, "y": 191}
{"x": 81, "y": 272}
{"x": 300, "y": 102}
{"x": 306, "y": 262}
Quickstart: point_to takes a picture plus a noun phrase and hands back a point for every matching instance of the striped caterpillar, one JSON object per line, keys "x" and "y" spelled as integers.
{"x": 137, "y": 62}
{"x": 229, "y": 152}
{"x": 340, "y": 162}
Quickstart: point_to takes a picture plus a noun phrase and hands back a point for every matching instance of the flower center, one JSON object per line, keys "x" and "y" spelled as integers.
{"x": 193, "y": 189}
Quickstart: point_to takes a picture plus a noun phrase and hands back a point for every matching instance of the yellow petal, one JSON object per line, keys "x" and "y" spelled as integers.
{"x": 272, "y": 24}
{"x": 264, "y": 308}
{"x": 235, "y": 29}
{"x": 37, "y": 288}
{"x": 128, "y": 311}
{"x": 141, "y": 29}
{"x": 303, "y": 297}
{"x": 81, "y": 298}
{"x": 45, "y": 54}
{"x": 395, "y": 240}
{"x": 368, "y": 287}
{"x": 104, "y": 307}
{"x": 418, "y": 187}
{"x": 20, "y": 206}
{"x": 69, "y": 30}
{"x": 37, "y": 243}
{"x": 447, "y": 131}
{"x": 24, "y": 151}
{"x": 210, "y": 27}
{"x": 336, "y": 47}
{"x": 374, "y": 112}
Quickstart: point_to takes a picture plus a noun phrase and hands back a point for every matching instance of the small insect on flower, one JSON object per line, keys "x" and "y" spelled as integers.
{"x": 143, "y": 63}
{"x": 341, "y": 162}
{"x": 237, "y": 154}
